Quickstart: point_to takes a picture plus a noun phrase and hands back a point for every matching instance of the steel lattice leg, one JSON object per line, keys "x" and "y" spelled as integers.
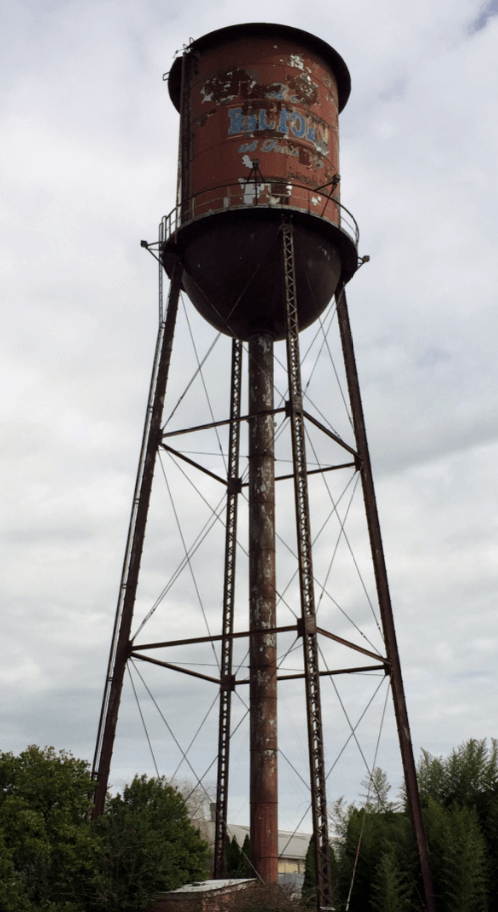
{"x": 308, "y": 620}
{"x": 384, "y": 597}
{"x": 120, "y": 646}
{"x": 227, "y": 678}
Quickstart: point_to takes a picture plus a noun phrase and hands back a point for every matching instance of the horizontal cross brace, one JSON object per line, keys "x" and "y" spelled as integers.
{"x": 215, "y": 424}
{"x": 194, "y": 674}
{"x": 291, "y": 677}
{"x": 192, "y": 462}
{"x": 324, "y": 674}
{"x": 263, "y": 632}
{"x": 277, "y": 411}
{"x": 330, "y": 434}
{"x": 372, "y": 655}
{"x": 344, "y": 465}
{"x": 213, "y": 639}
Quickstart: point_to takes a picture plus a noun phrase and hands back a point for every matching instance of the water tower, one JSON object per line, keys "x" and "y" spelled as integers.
{"x": 260, "y": 242}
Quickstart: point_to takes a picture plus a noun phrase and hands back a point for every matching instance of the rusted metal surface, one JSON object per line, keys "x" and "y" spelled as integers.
{"x": 181, "y": 668}
{"x": 120, "y": 646}
{"x": 211, "y": 639}
{"x": 262, "y": 613}
{"x": 338, "y": 639}
{"x": 324, "y": 896}
{"x": 214, "y": 424}
{"x": 336, "y": 671}
{"x": 231, "y": 264}
{"x": 259, "y": 109}
{"x": 226, "y": 674}
{"x": 266, "y": 95}
{"x": 384, "y": 597}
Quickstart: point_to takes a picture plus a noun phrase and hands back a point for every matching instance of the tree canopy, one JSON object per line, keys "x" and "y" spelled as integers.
{"x": 150, "y": 844}
{"x": 376, "y": 859}
{"x": 54, "y": 858}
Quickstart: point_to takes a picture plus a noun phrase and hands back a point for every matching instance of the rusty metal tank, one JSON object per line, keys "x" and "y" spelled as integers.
{"x": 259, "y": 106}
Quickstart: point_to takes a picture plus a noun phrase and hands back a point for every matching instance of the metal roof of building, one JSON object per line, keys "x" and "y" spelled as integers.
{"x": 290, "y": 845}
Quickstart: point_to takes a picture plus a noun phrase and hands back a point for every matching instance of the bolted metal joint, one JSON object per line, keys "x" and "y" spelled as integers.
{"x": 234, "y": 485}
{"x": 227, "y": 682}
{"x": 293, "y": 408}
{"x": 306, "y": 626}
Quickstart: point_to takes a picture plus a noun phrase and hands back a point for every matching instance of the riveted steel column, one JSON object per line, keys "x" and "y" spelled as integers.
{"x": 120, "y": 646}
{"x": 324, "y": 897}
{"x": 262, "y": 611}
{"x": 226, "y": 675}
{"x": 386, "y": 612}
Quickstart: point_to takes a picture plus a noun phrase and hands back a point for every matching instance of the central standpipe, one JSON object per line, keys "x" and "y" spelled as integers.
{"x": 262, "y": 611}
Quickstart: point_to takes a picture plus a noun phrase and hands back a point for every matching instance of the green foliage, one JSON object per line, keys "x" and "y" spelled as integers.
{"x": 457, "y": 854}
{"x": 309, "y": 883}
{"x": 468, "y": 777}
{"x": 238, "y": 859}
{"x": 54, "y": 858}
{"x": 460, "y": 796}
{"x": 377, "y": 858}
{"x": 150, "y": 844}
{"x": 247, "y": 867}
{"x": 390, "y": 889}
{"x": 377, "y": 794}
{"x": 49, "y": 849}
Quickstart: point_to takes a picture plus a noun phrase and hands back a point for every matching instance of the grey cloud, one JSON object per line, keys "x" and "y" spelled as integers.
{"x": 488, "y": 10}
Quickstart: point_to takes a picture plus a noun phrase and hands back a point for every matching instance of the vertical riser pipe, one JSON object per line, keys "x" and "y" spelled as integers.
{"x": 262, "y": 611}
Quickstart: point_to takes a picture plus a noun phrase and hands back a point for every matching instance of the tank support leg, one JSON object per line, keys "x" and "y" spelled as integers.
{"x": 120, "y": 646}
{"x": 384, "y": 597}
{"x": 262, "y": 611}
{"x": 227, "y": 679}
{"x": 308, "y": 619}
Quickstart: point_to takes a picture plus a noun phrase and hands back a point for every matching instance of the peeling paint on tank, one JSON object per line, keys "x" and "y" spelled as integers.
{"x": 296, "y": 60}
{"x": 277, "y": 104}
{"x": 225, "y": 85}
{"x": 205, "y": 117}
{"x": 304, "y": 89}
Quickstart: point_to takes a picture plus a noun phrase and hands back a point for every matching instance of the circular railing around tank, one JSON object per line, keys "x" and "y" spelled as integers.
{"x": 266, "y": 194}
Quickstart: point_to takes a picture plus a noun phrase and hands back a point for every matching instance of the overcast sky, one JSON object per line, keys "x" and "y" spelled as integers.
{"x": 89, "y": 148}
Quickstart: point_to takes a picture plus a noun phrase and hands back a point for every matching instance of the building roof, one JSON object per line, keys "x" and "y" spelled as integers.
{"x": 290, "y": 845}
{"x": 207, "y": 886}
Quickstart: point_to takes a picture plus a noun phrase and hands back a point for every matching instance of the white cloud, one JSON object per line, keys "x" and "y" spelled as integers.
{"x": 89, "y": 142}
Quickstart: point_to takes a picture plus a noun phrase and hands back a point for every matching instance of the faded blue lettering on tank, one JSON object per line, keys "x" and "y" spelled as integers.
{"x": 248, "y": 147}
{"x": 236, "y": 121}
{"x": 263, "y": 122}
{"x": 284, "y": 117}
{"x": 288, "y": 122}
{"x": 298, "y": 126}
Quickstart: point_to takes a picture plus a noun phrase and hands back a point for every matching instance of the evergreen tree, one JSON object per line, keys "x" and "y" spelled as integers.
{"x": 233, "y": 857}
{"x": 457, "y": 854}
{"x": 460, "y": 793}
{"x": 239, "y": 859}
{"x": 390, "y": 889}
{"x": 246, "y": 866}
{"x": 309, "y": 883}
